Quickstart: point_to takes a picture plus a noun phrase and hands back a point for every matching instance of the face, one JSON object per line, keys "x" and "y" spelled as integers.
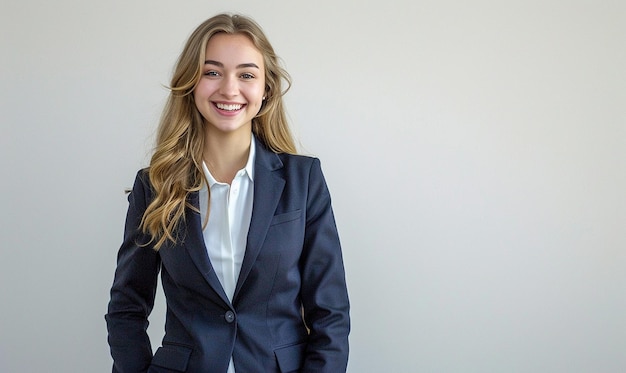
{"x": 231, "y": 89}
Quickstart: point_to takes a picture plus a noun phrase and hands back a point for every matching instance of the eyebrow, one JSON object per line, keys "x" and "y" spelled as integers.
{"x": 240, "y": 66}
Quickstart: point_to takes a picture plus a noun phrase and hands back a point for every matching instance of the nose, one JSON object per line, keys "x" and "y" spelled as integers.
{"x": 229, "y": 86}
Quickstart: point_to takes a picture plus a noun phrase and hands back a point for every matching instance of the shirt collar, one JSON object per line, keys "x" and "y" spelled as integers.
{"x": 248, "y": 168}
{"x": 250, "y": 164}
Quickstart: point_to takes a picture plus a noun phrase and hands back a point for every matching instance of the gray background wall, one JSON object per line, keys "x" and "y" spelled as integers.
{"x": 475, "y": 151}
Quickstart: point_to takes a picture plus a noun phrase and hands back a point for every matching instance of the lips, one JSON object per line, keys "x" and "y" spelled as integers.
{"x": 228, "y": 107}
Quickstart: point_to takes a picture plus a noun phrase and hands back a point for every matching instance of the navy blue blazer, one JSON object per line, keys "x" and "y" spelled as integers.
{"x": 292, "y": 267}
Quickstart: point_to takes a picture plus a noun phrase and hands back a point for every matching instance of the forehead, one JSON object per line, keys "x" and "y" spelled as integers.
{"x": 235, "y": 48}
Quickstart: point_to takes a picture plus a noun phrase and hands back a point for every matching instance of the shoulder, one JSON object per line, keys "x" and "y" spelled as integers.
{"x": 302, "y": 166}
{"x": 142, "y": 180}
{"x": 298, "y": 159}
{"x": 142, "y": 189}
{"x": 143, "y": 175}
{"x": 289, "y": 164}
{"x": 305, "y": 173}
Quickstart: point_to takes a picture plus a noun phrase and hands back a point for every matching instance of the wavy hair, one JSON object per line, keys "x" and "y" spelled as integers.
{"x": 176, "y": 166}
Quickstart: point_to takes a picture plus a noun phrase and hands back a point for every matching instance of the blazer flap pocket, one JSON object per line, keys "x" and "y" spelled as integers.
{"x": 290, "y": 357}
{"x": 285, "y": 217}
{"x": 172, "y": 357}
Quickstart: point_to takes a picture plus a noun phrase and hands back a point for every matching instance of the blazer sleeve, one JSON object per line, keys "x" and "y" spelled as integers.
{"x": 324, "y": 292}
{"x": 134, "y": 288}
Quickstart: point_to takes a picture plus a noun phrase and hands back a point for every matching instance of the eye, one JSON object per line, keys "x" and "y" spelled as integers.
{"x": 211, "y": 73}
{"x": 247, "y": 76}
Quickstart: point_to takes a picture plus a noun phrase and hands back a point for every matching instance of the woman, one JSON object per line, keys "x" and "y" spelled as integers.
{"x": 239, "y": 226}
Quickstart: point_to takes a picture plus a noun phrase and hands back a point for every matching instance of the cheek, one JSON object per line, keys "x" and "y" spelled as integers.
{"x": 197, "y": 93}
{"x": 261, "y": 92}
{"x": 254, "y": 95}
{"x": 197, "y": 100}
{"x": 203, "y": 89}
{"x": 201, "y": 94}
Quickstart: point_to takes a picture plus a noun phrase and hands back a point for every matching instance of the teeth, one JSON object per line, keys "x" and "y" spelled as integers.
{"x": 229, "y": 107}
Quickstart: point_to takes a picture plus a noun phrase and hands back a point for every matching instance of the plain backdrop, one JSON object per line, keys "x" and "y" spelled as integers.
{"x": 475, "y": 152}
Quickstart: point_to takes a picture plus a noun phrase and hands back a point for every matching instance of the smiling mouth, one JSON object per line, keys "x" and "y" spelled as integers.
{"x": 229, "y": 107}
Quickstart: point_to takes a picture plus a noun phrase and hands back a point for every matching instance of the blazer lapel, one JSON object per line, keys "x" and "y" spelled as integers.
{"x": 194, "y": 243}
{"x": 268, "y": 188}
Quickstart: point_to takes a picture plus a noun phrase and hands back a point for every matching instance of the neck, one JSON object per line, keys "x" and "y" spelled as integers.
{"x": 226, "y": 154}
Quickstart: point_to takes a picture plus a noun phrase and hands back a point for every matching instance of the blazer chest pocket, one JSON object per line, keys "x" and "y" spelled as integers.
{"x": 286, "y": 217}
{"x": 170, "y": 358}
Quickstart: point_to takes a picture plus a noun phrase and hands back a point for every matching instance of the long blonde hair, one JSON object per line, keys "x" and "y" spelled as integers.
{"x": 176, "y": 165}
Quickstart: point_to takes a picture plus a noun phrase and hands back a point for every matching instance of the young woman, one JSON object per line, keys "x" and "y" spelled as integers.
{"x": 240, "y": 228}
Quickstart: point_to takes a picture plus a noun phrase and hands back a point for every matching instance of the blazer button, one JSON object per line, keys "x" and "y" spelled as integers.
{"x": 229, "y": 316}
